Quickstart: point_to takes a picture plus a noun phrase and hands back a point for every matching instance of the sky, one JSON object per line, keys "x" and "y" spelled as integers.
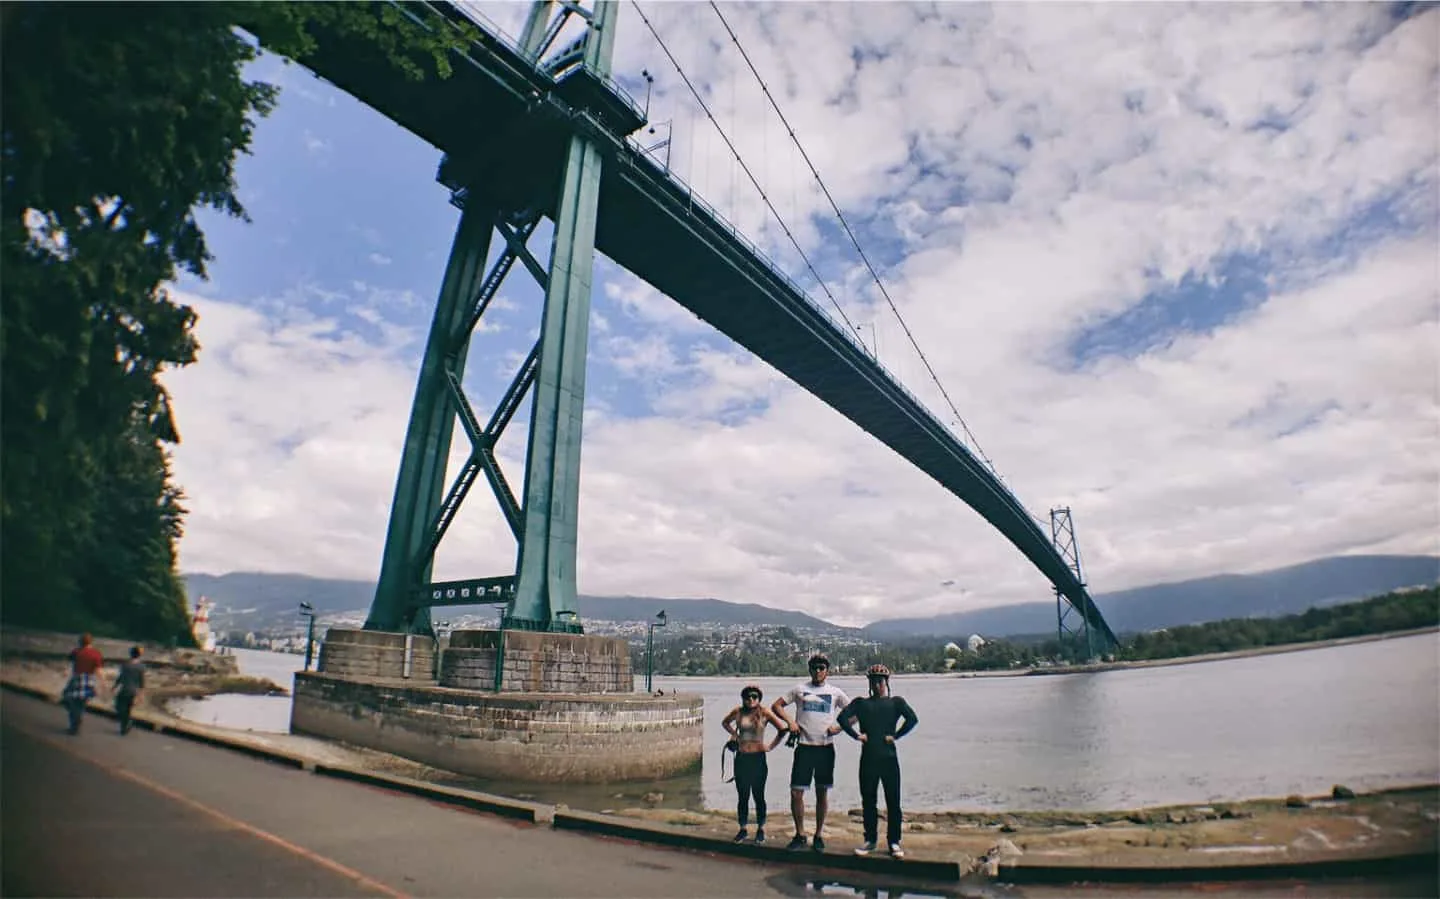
{"x": 1175, "y": 265}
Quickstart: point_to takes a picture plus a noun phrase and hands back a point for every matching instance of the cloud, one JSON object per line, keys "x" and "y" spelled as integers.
{"x": 1175, "y": 266}
{"x": 315, "y": 145}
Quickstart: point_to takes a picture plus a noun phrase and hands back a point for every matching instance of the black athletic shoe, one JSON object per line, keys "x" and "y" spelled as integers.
{"x": 740, "y": 837}
{"x": 759, "y": 835}
{"x": 817, "y": 844}
{"x": 797, "y": 843}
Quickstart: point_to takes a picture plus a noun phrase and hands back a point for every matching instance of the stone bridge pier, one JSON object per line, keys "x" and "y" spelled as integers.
{"x": 511, "y": 705}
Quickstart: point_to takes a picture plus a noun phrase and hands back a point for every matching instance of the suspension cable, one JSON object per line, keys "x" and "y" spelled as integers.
{"x": 736, "y": 153}
{"x": 851, "y": 234}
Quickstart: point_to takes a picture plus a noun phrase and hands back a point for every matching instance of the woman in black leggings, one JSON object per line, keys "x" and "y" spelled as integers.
{"x": 746, "y": 725}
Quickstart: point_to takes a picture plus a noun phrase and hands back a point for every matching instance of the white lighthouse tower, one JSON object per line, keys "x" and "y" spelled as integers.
{"x": 200, "y": 625}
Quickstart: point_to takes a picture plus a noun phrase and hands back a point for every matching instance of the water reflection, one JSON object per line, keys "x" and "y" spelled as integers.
{"x": 812, "y": 883}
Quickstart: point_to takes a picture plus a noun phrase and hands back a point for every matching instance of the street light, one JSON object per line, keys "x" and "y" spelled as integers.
{"x": 669, "y": 126}
{"x": 308, "y": 611}
{"x": 650, "y": 651}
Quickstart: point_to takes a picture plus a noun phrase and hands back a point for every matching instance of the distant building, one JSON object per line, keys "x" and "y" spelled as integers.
{"x": 974, "y": 642}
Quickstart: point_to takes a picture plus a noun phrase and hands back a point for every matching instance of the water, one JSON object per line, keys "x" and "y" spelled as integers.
{"x": 270, "y": 714}
{"x": 1366, "y": 715}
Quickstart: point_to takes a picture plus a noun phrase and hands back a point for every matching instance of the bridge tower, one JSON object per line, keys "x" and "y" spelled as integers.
{"x": 1071, "y": 627}
{"x": 540, "y": 595}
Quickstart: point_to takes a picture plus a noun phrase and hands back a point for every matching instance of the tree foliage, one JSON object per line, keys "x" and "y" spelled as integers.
{"x": 1398, "y": 611}
{"x": 696, "y": 655}
{"x": 121, "y": 121}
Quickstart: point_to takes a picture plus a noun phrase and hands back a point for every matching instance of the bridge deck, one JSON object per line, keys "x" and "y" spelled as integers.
{"x": 504, "y": 127}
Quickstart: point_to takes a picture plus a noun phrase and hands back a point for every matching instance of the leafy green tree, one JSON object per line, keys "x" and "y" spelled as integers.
{"x": 120, "y": 122}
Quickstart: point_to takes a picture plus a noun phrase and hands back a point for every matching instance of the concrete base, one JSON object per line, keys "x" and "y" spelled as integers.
{"x": 524, "y": 737}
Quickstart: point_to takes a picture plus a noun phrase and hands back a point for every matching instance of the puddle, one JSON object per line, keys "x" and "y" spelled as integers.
{"x": 815, "y": 884}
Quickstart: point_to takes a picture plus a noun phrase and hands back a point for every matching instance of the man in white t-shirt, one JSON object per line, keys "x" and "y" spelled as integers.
{"x": 818, "y": 706}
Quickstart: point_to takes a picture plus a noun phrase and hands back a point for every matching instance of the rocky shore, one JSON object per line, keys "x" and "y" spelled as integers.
{"x": 1291, "y": 830}
{"x": 40, "y": 660}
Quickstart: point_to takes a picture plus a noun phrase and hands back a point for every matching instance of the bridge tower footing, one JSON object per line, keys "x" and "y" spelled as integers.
{"x": 514, "y": 707}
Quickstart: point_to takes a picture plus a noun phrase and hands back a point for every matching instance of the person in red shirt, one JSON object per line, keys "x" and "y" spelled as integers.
{"x": 85, "y": 664}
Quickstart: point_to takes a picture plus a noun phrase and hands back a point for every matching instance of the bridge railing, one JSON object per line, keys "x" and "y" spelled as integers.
{"x": 472, "y": 11}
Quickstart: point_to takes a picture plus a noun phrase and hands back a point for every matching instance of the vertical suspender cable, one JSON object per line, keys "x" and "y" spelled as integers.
{"x": 749, "y": 174}
{"x": 851, "y": 234}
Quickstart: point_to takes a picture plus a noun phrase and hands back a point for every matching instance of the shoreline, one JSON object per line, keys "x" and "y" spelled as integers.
{"x": 1342, "y": 826}
{"x": 1252, "y": 652}
{"x": 1188, "y": 842}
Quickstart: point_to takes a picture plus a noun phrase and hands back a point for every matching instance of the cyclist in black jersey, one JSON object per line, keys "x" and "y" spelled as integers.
{"x": 877, "y": 715}
{"x": 746, "y": 725}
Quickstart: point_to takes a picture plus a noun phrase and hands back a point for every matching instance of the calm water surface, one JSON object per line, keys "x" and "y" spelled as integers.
{"x": 1366, "y": 715}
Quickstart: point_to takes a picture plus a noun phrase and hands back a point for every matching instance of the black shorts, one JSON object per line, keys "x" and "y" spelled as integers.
{"x": 817, "y": 762}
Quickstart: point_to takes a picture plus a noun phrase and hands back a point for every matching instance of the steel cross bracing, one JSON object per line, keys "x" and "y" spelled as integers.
{"x": 1071, "y": 628}
{"x": 508, "y": 128}
{"x": 541, "y": 595}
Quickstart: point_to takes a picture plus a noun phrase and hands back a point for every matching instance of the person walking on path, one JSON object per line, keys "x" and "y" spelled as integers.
{"x": 813, "y": 728}
{"x": 85, "y": 663}
{"x": 128, "y": 684}
{"x": 746, "y": 725}
{"x": 877, "y": 715}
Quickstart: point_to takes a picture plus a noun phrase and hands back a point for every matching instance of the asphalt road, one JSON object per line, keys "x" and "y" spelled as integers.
{"x": 148, "y": 815}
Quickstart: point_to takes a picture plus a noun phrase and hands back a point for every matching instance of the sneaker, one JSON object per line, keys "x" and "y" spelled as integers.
{"x": 797, "y": 843}
{"x": 817, "y": 844}
{"x": 896, "y": 851}
{"x": 759, "y": 835}
{"x": 868, "y": 848}
{"x": 740, "y": 837}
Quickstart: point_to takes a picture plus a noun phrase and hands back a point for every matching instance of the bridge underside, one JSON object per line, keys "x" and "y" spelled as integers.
{"x": 505, "y": 127}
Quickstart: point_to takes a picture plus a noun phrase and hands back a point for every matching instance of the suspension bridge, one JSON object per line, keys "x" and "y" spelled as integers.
{"x": 537, "y": 128}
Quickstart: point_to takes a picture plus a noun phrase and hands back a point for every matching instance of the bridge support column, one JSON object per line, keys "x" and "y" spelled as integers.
{"x": 1081, "y": 637}
{"x": 420, "y": 486}
{"x": 545, "y": 568}
{"x": 545, "y": 585}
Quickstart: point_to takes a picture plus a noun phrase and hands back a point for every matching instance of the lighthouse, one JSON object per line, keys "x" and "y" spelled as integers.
{"x": 200, "y": 625}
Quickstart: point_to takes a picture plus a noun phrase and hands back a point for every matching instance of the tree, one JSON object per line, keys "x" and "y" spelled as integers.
{"x": 120, "y": 122}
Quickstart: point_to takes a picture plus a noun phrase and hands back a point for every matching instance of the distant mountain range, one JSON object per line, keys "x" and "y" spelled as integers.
{"x": 251, "y": 600}
{"x": 1282, "y": 591}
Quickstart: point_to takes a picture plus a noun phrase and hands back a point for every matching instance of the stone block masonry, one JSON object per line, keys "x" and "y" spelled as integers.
{"x": 522, "y": 737}
{"x": 359, "y": 653}
{"x": 537, "y": 662}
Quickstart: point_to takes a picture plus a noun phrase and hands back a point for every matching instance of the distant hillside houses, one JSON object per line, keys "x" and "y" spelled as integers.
{"x": 972, "y": 644}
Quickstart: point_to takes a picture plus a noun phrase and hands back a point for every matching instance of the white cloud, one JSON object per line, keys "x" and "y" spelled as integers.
{"x": 1037, "y": 171}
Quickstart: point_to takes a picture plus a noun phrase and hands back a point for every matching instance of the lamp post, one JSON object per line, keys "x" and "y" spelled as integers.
{"x": 650, "y": 651}
{"x": 669, "y": 127}
{"x": 309, "y": 612}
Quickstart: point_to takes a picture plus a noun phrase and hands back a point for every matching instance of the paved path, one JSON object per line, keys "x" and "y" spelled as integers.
{"x": 150, "y": 815}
